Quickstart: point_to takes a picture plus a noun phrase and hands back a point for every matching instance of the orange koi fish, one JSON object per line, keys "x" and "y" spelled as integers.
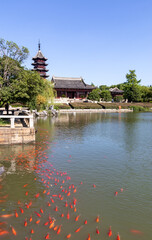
{"x": 97, "y": 231}
{"x": 16, "y": 214}
{"x": 3, "y": 232}
{"x": 13, "y": 231}
{"x": 7, "y": 215}
{"x": 37, "y": 214}
{"x": 68, "y": 236}
{"x": 66, "y": 204}
{"x": 68, "y": 215}
{"x": 30, "y": 219}
{"x": 77, "y": 218}
{"x": 51, "y": 225}
{"x": 38, "y": 221}
{"x": 37, "y": 195}
{"x": 22, "y": 211}
{"x": 85, "y": 222}
{"x": 25, "y": 223}
{"x": 41, "y": 210}
{"x": 46, "y": 223}
{"x": 25, "y": 185}
{"x": 59, "y": 229}
{"x": 118, "y": 237}
{"x": 56, "y": 209}
{"x": 89, "y": 237}
{"x": 55, "y": 228}
{"x": 78, "y": 229}
{"x": 75, "y": 209}
{"x": 97, "y": 219}
{"x": 134, "y": 231}
{"x": 110, "y": 232}
{"x": 62, "y": 215}
{"x": 47, "y": 236}
{"x": 26, "y": 193}
{"x": 32, "y": 231}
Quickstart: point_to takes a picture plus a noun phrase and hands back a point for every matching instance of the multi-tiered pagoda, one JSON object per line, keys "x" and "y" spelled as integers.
{"x": 39, "y": 63}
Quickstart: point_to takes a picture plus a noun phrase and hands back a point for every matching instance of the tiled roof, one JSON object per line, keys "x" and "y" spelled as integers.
{"x": 70, "y": 83}
{"x": 39, "y": 55}
{"x": 116, "y": 90}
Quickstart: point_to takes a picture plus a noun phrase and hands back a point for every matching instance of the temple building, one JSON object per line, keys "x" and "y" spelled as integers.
{"x": 39, "y": 63}
{"x": 116, "y": 92}
{"x": 71, "y": 87}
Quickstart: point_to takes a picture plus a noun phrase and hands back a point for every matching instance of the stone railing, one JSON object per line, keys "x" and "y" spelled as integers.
{"x": 13, "y": 117}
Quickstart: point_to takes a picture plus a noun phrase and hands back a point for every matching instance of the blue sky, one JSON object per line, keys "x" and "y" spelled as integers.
{"x": 99, "y": 40}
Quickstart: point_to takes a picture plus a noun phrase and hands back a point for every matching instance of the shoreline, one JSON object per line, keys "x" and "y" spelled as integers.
{"x": 94, "y": 110}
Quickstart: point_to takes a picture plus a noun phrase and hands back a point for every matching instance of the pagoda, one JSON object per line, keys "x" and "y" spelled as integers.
{"x": 39, "y": 63}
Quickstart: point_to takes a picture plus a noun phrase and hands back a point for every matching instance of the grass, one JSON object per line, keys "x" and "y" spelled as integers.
{"x": 61, "y": 106}
{"x": 4, "y": 122}
{"x": 85, "y": 105}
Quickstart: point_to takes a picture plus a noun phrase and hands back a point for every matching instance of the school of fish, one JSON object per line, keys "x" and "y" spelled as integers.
{"x": 59, "y": 204}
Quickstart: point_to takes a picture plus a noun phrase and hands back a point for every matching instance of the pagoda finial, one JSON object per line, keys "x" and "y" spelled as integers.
{"x": 39, "y": 45}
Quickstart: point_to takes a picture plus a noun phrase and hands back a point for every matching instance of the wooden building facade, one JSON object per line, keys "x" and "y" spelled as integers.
{"x": 71, "y": 87}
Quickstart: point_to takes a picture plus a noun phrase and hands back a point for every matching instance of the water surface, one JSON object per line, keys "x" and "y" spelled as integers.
{"x": 110, "y": 151}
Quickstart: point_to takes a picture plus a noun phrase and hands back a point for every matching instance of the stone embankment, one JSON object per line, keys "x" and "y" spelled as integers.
{"x": 95, "y": 110}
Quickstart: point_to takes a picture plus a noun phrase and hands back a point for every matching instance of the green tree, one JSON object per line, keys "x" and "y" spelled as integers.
{"x": 132, "y": 88}
{"x": 106, "y": 95}
{"x": 94, "y": 95}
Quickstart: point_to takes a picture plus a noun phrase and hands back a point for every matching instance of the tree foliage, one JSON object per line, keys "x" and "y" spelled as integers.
{"x": 94, "y": 95}
{"x": 18, "y": 84}
{"x": 106, "y": 95}
{"x": 132, "y": 88}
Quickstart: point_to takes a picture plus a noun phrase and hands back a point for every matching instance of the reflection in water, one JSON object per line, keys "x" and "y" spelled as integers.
{"x": 76, "y": 167}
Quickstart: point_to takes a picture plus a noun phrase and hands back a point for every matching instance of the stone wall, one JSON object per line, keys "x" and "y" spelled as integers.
{"x": 16, "y": 135}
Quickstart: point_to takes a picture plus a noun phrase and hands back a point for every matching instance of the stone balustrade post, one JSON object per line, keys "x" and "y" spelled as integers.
{"x": 31, "y": 122}
{"x": 12, "y": 123}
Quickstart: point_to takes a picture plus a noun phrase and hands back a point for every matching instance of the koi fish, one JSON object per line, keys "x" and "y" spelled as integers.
{"x": 94, "y": 185}
{"x": 85, "y": 222}
{"x": 78, "y": 229}
{"x": 135, "y": 231}
{"x": 30, "y": 219}
{"x": 47, "y": 236}
{"x": 37, "y": 195}
{"x": 38, "y": 221}
{"x": 68, "y": 215}
{"x": 110, "y": 232}
{"x": 26, "y": 193}
{"x": 115, "y": 194}
{"x": 77, "y": 218}
{"x": 75, "y": 209}
{"x": 97, "y": 231}
{"x": 41, "y": 210}
{"x": 16, "y": 214}
{"x": 59, "y": 229}
{"x": 89, "y": 237}
{"x": 55, "y": 228}
{"x": 68, "y": 236}
{"x": 25, "y": 185}
{"x": 22, "y": 211}
{"x": 25, "y": 223}
{"x": 97, "y": 219}
{"x": 37, "y": 214}
{"x": 62, "y": 215}
{"x": 56, "y": 209}
{"x": 118, "y": 237}
{"x": 7, "y": 215}
{"x": 32, "y": 231}
{"x": 3, "y": 232}
{"x": 66, "y": 204}
{"x": 13, "y": 231}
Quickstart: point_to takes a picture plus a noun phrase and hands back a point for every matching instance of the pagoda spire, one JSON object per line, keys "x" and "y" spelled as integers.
{"x": 39, "y": 46}
{"x": 39, "y": 63}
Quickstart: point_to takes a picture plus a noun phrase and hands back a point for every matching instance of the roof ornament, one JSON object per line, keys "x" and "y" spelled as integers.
{"x": 39, "y": 45}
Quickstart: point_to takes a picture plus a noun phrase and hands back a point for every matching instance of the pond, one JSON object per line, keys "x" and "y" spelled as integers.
{"x": 85, "y": 173}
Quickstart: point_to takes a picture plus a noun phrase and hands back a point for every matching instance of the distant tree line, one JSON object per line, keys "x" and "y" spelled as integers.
{"x": 18, "y": 84}
{"x": 133, "y": 91}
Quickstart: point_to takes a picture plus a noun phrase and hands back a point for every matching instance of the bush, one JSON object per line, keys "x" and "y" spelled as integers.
{"x": 94, "y": 95}
{"x": 85, "y": 105}
{"x": 106, "y": 95}
{"x": 61, "y": 106}
{"x": 118, "y": 98}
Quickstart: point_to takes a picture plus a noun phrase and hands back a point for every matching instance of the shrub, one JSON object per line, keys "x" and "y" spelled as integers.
{"x": 85, "y": 105}
{"x": 61, "y": 106}
{"x": 94, "y": 95}
{"x": 118, "y": 98}
{"x": 106, "y": 95}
